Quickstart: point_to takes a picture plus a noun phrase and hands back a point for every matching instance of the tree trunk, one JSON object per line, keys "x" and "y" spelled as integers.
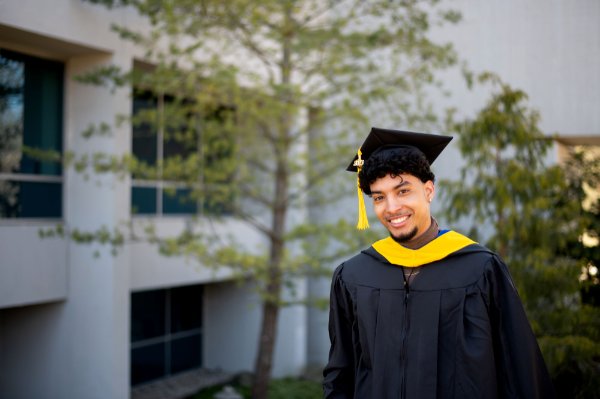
{"x": 264, "y": 359}
{"x": 271, "y": 304}
{"x": 272, "y": 301}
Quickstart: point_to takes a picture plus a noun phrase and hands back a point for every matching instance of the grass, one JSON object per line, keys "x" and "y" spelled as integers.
{"x": 284, "y": 388}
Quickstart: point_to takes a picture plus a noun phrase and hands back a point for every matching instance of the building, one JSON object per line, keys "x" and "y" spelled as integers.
{"x": 78, "y": 322}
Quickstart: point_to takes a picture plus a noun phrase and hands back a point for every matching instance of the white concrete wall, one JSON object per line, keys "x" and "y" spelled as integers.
{"x": 291, "y": 344}
{"x": 550, "y": 49}
{"x": 77, "y": 22}
{"x": 232, "y": 317}
{"x": 231, "y": 323}
{"x": 32, "y": 352}
{"x": 150, "y": 269}
{"x": 36, "y": 275}
{"x": 317, "y": 324}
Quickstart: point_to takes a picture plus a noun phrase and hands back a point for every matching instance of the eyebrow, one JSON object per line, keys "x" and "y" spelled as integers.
{"x": 397, "y": 186}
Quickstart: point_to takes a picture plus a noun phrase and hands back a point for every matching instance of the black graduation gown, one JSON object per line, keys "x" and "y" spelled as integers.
{"x": 458, "y": 331}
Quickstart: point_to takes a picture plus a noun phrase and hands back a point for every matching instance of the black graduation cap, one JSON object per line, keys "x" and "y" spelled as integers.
{"x": 431, "y": 145}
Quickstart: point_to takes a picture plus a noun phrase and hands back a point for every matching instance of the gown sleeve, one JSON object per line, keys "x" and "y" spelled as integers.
{"x": 521, "y": 370}
{"x": 338, "y": 374}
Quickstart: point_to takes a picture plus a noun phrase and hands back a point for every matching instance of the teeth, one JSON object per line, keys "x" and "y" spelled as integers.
{"x": 399, "y": 219}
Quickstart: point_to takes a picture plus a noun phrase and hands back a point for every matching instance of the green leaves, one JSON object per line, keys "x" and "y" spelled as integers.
{"x": 103, "y": 236}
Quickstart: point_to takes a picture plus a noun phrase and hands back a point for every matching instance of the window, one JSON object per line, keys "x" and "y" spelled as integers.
{"x": 166, "y": 332}
{"x": 165, "y": 129}
{"x": 31, "y": 118}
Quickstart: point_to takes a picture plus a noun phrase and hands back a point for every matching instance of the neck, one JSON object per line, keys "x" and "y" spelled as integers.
{"x": 425, "y": 238}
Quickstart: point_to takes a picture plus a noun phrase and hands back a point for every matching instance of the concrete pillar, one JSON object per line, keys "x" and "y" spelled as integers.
{"x": 95, "y": 320}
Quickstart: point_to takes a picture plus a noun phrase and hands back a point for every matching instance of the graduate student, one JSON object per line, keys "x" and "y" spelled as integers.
{"x": 424, "y": 313}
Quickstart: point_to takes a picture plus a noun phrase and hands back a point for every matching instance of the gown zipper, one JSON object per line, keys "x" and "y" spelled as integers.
{"x": 405, "y": 334}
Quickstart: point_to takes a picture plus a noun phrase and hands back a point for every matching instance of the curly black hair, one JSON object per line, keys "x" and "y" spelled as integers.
{"x": 394, "y": 161}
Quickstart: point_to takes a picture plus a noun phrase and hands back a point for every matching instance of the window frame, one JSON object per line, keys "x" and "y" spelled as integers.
{"x": 161, "y": 185}
{"x": 58, "y": 178}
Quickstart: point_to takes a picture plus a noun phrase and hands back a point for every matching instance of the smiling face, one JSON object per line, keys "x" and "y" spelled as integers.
{"x": 402, "y": 204}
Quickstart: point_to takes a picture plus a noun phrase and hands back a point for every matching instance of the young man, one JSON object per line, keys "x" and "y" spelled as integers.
{"x": 424, "y": 313}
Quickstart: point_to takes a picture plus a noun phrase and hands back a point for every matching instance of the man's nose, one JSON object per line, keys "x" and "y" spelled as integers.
{"x": 394, "y": 204}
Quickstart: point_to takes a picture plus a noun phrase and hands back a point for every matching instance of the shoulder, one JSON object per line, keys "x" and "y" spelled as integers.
{"x": 366, "y": 267}
{"x": 365, "y": 257}
{"x": 485, "y": 264}
{"x": 465, "y": 267}
{"x": 475, "y": 253}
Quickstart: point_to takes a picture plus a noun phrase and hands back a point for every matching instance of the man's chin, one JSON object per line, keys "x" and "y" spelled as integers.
{"x": 403, "y": 238}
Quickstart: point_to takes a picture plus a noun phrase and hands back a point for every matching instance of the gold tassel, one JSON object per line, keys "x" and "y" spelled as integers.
{"x": 363, "y": 221}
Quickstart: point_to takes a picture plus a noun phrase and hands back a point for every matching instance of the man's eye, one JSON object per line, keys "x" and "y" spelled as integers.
{"x": 404, "y": 191}
{"x": 377, "y": 198}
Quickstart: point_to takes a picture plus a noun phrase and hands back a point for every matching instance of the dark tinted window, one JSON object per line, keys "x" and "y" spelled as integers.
{"x": 166, "y": 332}
{"x": 185, "y": 353}
{"x": 148, "y": 316}
{"x": 31, "y": 122}
{"x": 186, "y": 308}
{"x": 147, "y": 363}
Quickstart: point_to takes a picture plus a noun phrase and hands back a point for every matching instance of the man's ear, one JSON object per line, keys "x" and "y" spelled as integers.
{"x": 429, "y": 190}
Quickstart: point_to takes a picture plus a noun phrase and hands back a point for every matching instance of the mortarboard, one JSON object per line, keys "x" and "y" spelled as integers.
{"x": 431, "y": 145}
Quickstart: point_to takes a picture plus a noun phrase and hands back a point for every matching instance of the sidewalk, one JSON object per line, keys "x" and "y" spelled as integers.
{"x": 181, "y": 385}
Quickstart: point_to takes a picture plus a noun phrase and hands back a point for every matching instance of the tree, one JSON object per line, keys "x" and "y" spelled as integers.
{"x": 254, "y": 86}
{"x": 532, "y": 215}
{"x": 11, "y": 128}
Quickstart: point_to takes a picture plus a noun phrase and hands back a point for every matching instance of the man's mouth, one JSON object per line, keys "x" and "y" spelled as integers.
{"x": 398, "y": 220}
